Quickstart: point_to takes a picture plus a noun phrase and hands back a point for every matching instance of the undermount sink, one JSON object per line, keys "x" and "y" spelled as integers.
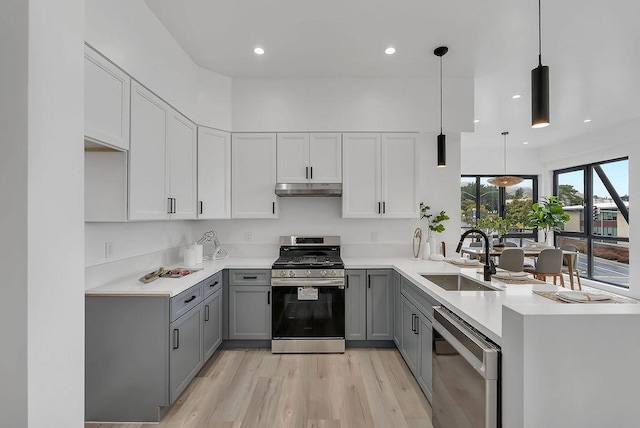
{"x": 457, "y": 282}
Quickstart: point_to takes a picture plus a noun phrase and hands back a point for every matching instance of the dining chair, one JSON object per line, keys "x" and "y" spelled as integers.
{"x": 574, "y": 262}
{"x": 549, "y": 264}
{"x": 510, "y": 244}
{"x": 477, "y": 244}
{"x": 512, "y": 259}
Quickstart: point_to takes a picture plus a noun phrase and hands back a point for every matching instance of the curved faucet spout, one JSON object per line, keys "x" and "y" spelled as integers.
{"x": 489, "y": 267}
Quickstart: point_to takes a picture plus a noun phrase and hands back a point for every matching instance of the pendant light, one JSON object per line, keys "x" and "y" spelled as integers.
{"x": 540, "y": 86}
{"x": 442, "y": 139}
{"x": 505, "y": 180}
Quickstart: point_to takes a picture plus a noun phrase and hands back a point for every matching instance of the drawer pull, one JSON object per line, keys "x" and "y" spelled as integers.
{"x": 249, "y": 277}
{"x": 206, "y": 312}
{"x": 268, "y": 297}
{"x": 192, "y": 298}
{"x": 214, "y": 284}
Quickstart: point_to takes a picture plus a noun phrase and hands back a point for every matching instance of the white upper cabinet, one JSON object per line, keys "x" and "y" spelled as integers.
{"x": 400, "y": 176}
{"x": 106, "y": 105}
{"x": 162, "y": 160}
{"x": 362, "y": 176}
{"x": 253, "y": 172}
{"x": 182, "y": 158}
{"x": 380, "y": 175}
{"x": 214, "y": 173}
{"x": 309, "y": 158}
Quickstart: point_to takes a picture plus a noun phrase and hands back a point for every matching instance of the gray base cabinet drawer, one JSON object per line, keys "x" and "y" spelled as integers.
{"x": 183, "y": 302}
{"x": 249, "y": 277}
{"x": 212, "y": 284}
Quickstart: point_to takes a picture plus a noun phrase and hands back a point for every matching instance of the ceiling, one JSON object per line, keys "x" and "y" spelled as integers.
{"x": 591, "y": 48}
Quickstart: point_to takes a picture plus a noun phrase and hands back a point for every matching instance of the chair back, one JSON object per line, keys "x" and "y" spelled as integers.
{"x": 574, "y": 249}
{"x": 510, "y": 244}
{"x": 512, "y": 259}
{"x": 550, "y": 261}
{"x": 476, "y": 244}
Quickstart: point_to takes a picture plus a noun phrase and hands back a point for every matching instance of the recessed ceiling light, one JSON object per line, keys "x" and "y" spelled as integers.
{"x": 587, "y": 120}
{"x": 476, "y": 120}
{"x": 516, "y": 96}
{"x": 258, "y": 51}
{"x": 526, "y": 142}
{"x": 390, "y": 50}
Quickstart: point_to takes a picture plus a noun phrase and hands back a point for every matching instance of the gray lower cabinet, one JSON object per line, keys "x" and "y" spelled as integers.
{"x": 250, "y": 312}
{"x": 356, "y": 304}
{"x": 186, "y": 357}
{"x": 369, "y": 304}
{"x": 397, "y": 310}
{"x": 212, "y": 327}
{"x": 380, "y": 304}
{"x": 417, "y": 333}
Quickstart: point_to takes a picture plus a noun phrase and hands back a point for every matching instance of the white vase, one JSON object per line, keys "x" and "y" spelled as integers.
{"x": 431, "y": 243}
{"x": 426, "y": 252}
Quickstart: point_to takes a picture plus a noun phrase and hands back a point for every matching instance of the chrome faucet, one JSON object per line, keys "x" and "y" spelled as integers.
{"x": 489, "y": 267}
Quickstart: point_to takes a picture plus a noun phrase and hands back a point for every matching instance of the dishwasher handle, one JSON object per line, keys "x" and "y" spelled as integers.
{"x": 480, "y": 354}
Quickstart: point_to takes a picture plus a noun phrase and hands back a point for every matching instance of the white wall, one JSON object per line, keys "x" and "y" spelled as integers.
{"x": 131, "y": 36}
{"x": 42, "y": 97}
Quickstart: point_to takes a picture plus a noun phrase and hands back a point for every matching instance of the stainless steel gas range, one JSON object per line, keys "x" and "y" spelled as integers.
{"x": 308, "y": 289}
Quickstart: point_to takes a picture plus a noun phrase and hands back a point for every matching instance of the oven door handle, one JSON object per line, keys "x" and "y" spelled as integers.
{"x": 303, "y": 282}
{"x": 487, "y": 367}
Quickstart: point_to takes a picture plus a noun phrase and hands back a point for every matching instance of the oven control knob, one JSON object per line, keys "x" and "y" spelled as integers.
{"x": 282, "y": 273}
{"x": 323, "y": 273}
{"x": 292, "y": 274}
{"x": 308, "y": 273}
{"x": 333, "y": 273}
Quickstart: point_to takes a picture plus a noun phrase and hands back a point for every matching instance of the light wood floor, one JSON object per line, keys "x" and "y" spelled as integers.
{"x": 254, "y": 388}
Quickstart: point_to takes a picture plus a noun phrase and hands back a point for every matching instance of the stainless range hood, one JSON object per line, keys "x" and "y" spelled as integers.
{"x": 309, "y": 189}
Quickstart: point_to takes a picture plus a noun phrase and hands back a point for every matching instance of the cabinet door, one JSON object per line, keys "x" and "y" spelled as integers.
{"x": 250, "y": 312}
{"x": 293, "y": 158}
{"x": 361, "y": 197}
{"x": 147, "y": 174}
{"x": 356, "y": 305}
{"x": 380, "y": 304}
{"x": 397, "y": 310}
{"x": 410, "y": 343}
{"x": 185, "y": 358}
{"x": 212, "y": 328}
{"x": 425, "y": 332}
{"x": 106, "y": 101}
{"x": 182, "y": 164}
{"x": 400, "y": 176}
{"x": 253, "y": 170}
{"x": 325, "y": 158}
{"x": 214, "y": 173}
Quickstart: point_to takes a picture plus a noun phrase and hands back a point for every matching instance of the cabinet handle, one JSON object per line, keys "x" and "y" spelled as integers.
{"x": 368, "y": 281}
{"x": 306, "y": 172}
{"x": 248, "y": 277}
{"x": 346, "y": 277}
{"x": 175, "y": 205}
{"x": 379, "y": 210}
{"x": 417, "y": 324}
{"x": 311, "y": 172}
{"x": 201, "y": 207}
{"x": 413, "y": 322}
{"x": 273, "y": 207}
{"x": 170, "y": 205}
{"x": 268, "y": 297}
{"x": 214, "y": 284}
{"x": 176, "y": 338}
{"x": 206, "y": 312}
{"x": 190, "y": 299}
{"x": 384, "y": 208}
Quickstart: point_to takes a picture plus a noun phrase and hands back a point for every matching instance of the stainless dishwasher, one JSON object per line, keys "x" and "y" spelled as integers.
{"x": 466, "y": 375}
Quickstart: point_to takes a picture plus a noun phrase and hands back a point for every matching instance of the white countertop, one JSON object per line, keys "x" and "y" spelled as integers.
{"x": 481, "y": 309}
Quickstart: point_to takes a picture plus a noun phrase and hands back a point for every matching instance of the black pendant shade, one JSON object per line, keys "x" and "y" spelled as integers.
{"x": 442, "y": 139}
{"x": 442, "y": 150}
{"x": 540, "y": 96}
{"x": 540, "y": 85}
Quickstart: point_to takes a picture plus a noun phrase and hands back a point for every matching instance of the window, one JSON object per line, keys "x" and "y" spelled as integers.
{"x": 596, "y": 197}
{"x": 479, "y": 198}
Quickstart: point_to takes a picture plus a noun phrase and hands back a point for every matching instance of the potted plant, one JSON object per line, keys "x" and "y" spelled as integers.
{"x": 494, "y": 225}
{"x": 547, "y": 215}
{"x": 434, "y": 223}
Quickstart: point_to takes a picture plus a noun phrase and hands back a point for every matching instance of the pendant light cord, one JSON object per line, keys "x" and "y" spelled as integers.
{"x": 539, "y": 33}
{"x": 440, "y": 94}
{"x": 505, "y": 133}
